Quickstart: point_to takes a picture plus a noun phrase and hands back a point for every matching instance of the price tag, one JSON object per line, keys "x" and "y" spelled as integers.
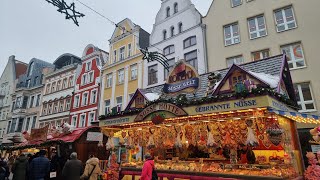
{"x": 315, "y": 148}
{"x": 53, "y": 174}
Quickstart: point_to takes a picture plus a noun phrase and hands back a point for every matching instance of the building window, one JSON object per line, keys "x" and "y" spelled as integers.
{"x": 48, "y": 89}
{"x": 164, "y": 34}
{"x": 294, "y": 55}
{"x": 84, "y": 79}
{"x": 190, "y": 41}
{"x": 91, "y": 117}
{"x": 120, "y": 76}
{"x": 93, "y": 97}
{"x": 119, "y": 102}
{"x": 168, "y": 11}
{"x": 134, "y": 71}
{"x": 30, "y": 70}
{"x": 153, "y": 74}
{"x": 235, "y": 60}
{"x": 28, "y": 83}
{"x": 76, "y": 101}
{"x": 55, "y": 107}
{"x": 88, "y": 66}
{"x": 172, "y": 31}
{"x": 20, "y": 125}
{"x": 50, "y": 108}
{"x": 36, "y": 80}
{"x": 71, "y": 81}
{"x": 109, "y": 80}
{"x": 64, "y": 85}
{"x": 34, "y": 121}
{"x": 168, "y": 50}
{"x": 91, "y": 74}
{"x": 129, "y": 50}
{"x": 31, "y": 102}
{"x": 114, "y": 56}
{"x": 68, "y": 104}
{"x": 231, "y": 34}
{"x": 44, "y": 110}
{"x": 61, "y": 105}
{"x": 257, "y": 27}
{"x": 180, "y": 27}
{"x": 53, "y": 87}
{"x": 175, "y": 7}
{"x": 191, "y": 58}
{"x": 13, "y": 126}
{"x": 74, "y": 121}
{"x": 8, "y": 127}
{"x": 122, "y": 51}
{"x": 257, "y": 55}
{"x": 27, "y": 124}
{"x": 85, "y": 99}
{"x": 107, "y": 107}
{"x": 235, "y": 3}
{"x": 171, "y": 63}
{"x": 82, "y": 120}
{"x": 58, "y": 85}
{"x": 304, "y": 97}
{"x": 38, "y": 100}
{"x": 285, "y": 19}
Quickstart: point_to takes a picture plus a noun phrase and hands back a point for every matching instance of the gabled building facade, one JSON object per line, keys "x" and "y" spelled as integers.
{"x": 57, "y": 93}
{"x": 178, "y": 33}
{"x": 123, "y": 72}
{"x": 85, "y": 99}
{"x": 12, "y": 70}
{"x": 26, "y": 100}
{"x": 242, "y": 31}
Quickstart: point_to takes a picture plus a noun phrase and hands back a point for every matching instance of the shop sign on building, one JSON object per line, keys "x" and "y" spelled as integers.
{"x": 182, "y": 78}
{"x": 39, "y": 134}
{"x": 117, "y": 121}
{"x": 167, "y": 107}
{"x": 94, "y": 136}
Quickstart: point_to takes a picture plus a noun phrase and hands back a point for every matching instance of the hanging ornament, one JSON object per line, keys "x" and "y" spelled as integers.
{"x": 211, "y": 142}
{"x": 110, "y": 142}
{"x": 178, "y": 143}
{"x": 150, "y": 143}
{"x": 251, "y": 138}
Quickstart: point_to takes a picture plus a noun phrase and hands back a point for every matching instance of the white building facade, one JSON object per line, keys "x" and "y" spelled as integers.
{"x": 178, "y": 33}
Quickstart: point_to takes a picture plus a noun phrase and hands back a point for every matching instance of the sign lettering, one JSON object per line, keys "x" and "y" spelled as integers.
{"x": 227, "y": 105}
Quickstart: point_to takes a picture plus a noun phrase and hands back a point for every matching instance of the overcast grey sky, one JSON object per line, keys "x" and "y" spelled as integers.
{"x": 33, "y": 28}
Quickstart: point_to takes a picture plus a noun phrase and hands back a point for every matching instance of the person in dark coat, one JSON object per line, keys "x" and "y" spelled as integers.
{"x": 20, "y": 167}
{"x": 39, "y": 167}
{"x": 4, "y": 170}
{"x": 72, "y": 169}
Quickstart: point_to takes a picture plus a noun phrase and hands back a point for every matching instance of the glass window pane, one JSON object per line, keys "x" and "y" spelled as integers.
{"x": 261, "y": 22}
{"x": 289, "y": 14}
{"x": 252, "y": 25}
{"x": 296, "y": 91}
{"x": 310, "y": 106}
{"x": 279, "y": 17}
{"x": 193, "y": 41}
{"x": 300, "y": 63}
{"x": 235, "y": 30}
{"x": 306, "y": 91}
{"x": 227, "y": 32}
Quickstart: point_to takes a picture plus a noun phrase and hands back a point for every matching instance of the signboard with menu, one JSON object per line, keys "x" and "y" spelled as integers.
{"x": 39, "y": 134}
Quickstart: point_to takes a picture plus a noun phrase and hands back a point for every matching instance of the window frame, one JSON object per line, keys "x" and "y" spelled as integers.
{"x": 232, "y": 38}
{"x": 164, "y": 34}
{"x": 256, "y": 23}
{"x": 189, "y": 39}
{"x": 285, "y": 23}
{"x": 234, "y": 58}
{"x": 84, "y": 99}
{"x": 129, "y": 50}
{"x": 180, "y": 27}
{"x": 153, "y": 73}
{"x": 93, "y": 100}
{"x": 172, "y": 31}
{"x": 119, "y": 104}
{"x": 168, "y": 12}
{"x": 76, "y": 104}
{"x": 261, "y": 55}
{"x": 175, "y": 8}
{"x": 89, "y": 117}
{"x": 232, "y": 5}
{"x": 170, "y": 48}
{"x": 107, "y": 109}
{"x": 84, "y": 120}
{"x": 135, "y": 70}
{"x": 109, "y": 80}
{"x": 121, "y": 76}
{"x": 292, "y": 55}
{"x": 194, "y": 59}
{"x": 122, "y": 55}
{"x": 74, "y": 119}
{"x": 90, "y": 76}
{"x": 302, "y": 102}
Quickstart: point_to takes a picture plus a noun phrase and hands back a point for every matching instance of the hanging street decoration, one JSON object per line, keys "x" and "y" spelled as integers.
{"x": 69, "y": 10}
{"x": 155, "y": 56}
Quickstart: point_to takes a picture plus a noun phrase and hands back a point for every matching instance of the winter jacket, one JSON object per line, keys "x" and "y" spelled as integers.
{"x": 19, "y": 168}
{"x": 148, "y": 166}
{"x": 39, "y": 167}
{"x": 72, "y": 169}
{"x": 90, "y": 164}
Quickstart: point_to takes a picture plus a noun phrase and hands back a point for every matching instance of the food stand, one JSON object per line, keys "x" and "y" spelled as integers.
{"x": 238, "y": 124}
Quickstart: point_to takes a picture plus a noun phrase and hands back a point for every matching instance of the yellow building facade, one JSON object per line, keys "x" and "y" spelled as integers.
{"x": 123, "y": 73}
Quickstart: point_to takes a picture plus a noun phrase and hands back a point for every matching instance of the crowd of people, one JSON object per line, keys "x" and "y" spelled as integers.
{"x": 39, "y": 167}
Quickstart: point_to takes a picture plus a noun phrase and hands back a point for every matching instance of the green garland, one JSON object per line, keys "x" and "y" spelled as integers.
{"x": 182, "y": 101}
{"x": 44, "y": 144}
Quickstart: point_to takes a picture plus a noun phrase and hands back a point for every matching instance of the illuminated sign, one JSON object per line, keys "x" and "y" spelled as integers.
{"x": 182, "y": 78}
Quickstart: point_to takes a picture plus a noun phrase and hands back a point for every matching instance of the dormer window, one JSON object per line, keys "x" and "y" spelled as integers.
{"x": 168, "y": 11}
{"x": 164, "y": 34}
{"x": 172, "y": 31}
{"x": 175, "y": 7}
{"x": 30, "y": 69}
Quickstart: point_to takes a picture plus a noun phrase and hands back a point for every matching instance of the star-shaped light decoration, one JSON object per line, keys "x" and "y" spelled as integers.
{"x": 155, "y": 56}
{"x": 69, "y": 10}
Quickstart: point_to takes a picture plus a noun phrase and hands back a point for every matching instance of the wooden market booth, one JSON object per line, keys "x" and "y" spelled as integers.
{"x": 246, "y": 108}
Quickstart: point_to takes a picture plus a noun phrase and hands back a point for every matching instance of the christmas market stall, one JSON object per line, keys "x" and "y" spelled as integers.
{"x": 236, "y": 123}
{"x": 64, "y": 140}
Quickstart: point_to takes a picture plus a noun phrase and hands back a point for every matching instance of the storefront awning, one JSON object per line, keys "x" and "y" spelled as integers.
{"x": 296, "y": 116}
{"x": 72, "y": 136}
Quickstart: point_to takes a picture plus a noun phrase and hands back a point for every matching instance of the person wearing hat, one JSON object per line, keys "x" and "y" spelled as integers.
{"x": 148, "y": 166}
{"x": 39, "y": 167}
